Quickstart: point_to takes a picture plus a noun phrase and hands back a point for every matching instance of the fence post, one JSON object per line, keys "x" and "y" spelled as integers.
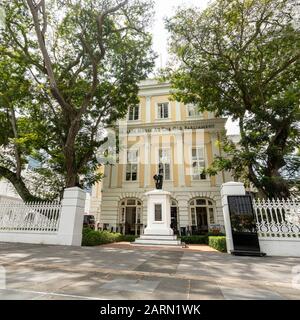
{"x": 71, "y": 219}
{"x": 230, "y": 189}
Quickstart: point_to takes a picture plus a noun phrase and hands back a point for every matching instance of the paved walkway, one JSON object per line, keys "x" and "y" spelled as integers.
{"x": 125, "y": 272}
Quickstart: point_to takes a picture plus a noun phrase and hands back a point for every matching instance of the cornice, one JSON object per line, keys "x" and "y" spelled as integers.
{"x": 215, "y": 124}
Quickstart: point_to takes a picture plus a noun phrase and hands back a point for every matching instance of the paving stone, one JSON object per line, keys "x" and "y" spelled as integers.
{"x": 162, "y": 262}
{"x": 249, "y": 294}
{"x": 131, "y": 285}
{"x": 204, "y": 290}
{"x": 66, "y": 272}
{"x": 6, "y": 294}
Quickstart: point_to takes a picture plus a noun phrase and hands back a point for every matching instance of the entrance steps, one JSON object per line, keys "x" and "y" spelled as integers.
{"x": 167, "y": 240}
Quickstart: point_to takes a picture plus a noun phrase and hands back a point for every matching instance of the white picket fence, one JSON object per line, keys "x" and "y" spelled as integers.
{"x": 30, "y": 217}
{"x": 45, "y": 222}
{"x": 277, "y": 218}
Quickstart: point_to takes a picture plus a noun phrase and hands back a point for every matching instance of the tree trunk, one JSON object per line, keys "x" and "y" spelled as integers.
{"x": 71, "y": 168}
{"x": 19, "y": 185}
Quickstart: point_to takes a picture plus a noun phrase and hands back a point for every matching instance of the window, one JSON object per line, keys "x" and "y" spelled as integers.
{"x": 165, "y": 158}
{"x": 198, "y": 164}
{"x": 193, "y": 216}
{"x": 202, "y": 212}
{"x": 163, "y": 110}
{"x": 192, "y": 111}
{"x": 158, "y": 212}
{"x": 132, "y": 165}
{"x": 138, "y": 218}
{"x": 131, "y": 216}
{"x": 123, "y": 212}
{"x": 134, "y": 113}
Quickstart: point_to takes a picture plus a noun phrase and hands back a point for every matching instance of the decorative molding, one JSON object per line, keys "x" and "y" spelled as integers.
{"x": 137, "y": 195}
{"x": 165, "y": 126}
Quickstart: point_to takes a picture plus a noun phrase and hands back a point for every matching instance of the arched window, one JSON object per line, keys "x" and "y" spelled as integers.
{"x": 130, "y": 217}
{"x": 201, "y": 214}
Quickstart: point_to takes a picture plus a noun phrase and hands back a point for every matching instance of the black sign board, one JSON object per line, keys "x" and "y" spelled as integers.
{"x": 243, "y": 226}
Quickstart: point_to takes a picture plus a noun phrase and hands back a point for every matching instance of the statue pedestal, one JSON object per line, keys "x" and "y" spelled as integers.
{"x": 158, "y": 231}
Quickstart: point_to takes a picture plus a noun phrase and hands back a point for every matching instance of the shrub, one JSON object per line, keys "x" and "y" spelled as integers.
{"x": 94, "y": 238}
{"x": 195, "y": 239}
{"x": 128, "y": 238}
{"x": 215, "y": 233}
{"x": 218, "y": 243}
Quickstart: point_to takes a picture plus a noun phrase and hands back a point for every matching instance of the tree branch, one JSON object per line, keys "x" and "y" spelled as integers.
{"x": 41, "y": 41}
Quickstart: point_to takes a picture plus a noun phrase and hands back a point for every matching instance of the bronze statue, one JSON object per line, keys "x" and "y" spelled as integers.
{"x": 159, "y": 177}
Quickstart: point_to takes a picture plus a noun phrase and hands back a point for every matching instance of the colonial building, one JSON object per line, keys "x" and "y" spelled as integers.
{"x": 184, "y": 141}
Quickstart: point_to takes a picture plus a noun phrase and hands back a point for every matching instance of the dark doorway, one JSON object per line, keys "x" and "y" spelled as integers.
{"x": 130, "y": 220}
{"x": 174, "y": 219}
{"x": 202, "y": 224}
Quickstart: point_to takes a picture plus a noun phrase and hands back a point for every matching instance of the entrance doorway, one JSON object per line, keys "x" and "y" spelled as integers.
{"x": 130, "y": 220}
{"x": 131, "y": 217}
{"x": 201, "y": 215}
{"x": 174, "y": 217}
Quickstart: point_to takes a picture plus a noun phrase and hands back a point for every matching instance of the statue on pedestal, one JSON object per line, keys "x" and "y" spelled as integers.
{"x": 159, "y": 177}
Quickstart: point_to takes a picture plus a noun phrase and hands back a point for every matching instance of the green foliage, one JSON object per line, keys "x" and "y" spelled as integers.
{"x": 93, "y": 73}
{"x": 128, "y": 238}
{"x": 202, "y": 239}
{"x": 217, "y": 242}
{"x": 91, "y": 237}
{"x": 241, "y": 59}
{"x": 94, "y": 238}
{"x": 216, "y": 234}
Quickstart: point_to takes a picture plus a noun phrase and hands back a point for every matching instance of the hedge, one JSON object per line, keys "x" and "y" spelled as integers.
{"x": 95, "y": 238}
{"x": 92, "y": 237}
{"x": 218, "y": 243}
{"x": 127, "y": 238}
{"x": 195, "y": 239}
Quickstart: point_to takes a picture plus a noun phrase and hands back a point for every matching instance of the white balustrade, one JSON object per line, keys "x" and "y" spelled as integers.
{"x": 30, "y": 217}
{"x": 277, "y": 218}
{"x": 44, "y": 222}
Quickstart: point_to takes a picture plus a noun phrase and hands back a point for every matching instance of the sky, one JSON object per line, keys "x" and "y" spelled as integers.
{"x": 163, "y": 9}
{"x": 167, "y": 8}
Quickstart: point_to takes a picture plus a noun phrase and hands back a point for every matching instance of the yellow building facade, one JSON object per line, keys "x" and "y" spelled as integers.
{"x": 184, "y": 141}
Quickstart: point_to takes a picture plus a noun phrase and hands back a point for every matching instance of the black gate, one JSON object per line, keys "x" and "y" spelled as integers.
{"x": 243, "y": 226}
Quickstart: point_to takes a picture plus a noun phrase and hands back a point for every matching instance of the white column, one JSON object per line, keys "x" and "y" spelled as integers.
{"x": 114, "y": 176}
{"x": 183, "y": 212}
{"x": 148, "y": 109}
{"x": 180, "y": 158}
{"x": 106, "y": 177}
{"x": 230, "y": 189}
{"x": 71, "y": 219}
{"x": 178, "y": 111}
{"x": 147, "y": 161}
{"x": 215, "y": 152}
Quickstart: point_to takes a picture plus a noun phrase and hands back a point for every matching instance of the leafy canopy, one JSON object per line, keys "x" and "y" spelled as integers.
{"x": 79, "y": 63}
{"x": 240, "y": 58}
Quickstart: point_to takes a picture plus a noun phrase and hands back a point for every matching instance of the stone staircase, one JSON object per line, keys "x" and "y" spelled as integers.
{"x": 159, "y": 240}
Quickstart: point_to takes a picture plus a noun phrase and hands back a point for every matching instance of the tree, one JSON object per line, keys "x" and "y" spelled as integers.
{"x": 83, "y": 66}
{"x": 14, "y": 95}
{"x": 240, "y": 58}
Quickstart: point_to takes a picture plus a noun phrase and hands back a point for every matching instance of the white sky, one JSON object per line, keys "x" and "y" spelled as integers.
{"x": 163, "y": 9}
{"x": 167, "y": 8}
